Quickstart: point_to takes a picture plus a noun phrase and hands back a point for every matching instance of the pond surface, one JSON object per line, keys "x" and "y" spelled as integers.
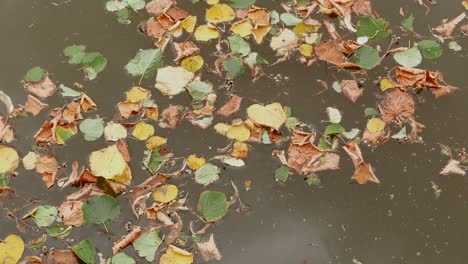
{"x": 397, "y": 221}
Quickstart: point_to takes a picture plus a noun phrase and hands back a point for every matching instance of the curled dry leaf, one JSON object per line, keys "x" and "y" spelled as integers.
{"x": 71, "y": 214}
{"x": 351, "y": 89}
{"x": 6, "y": 131}
{"x": 57, "y": 256}
{"x": 43, "y": 88}
{"x": 172, "y": 116}
{"x": 231, "y": 107}
{"x": 397, "y": 105}
{"x": 418, "y": 78}
{"x": 34, "y": 105}
{"x": 453, "y": 167}
{"x": 126, "y": 240}
{"x": 445, "y": 30}
{"x": 158, "y": 7}
{"x": 208, "y": 249}
{"x": 185, "y": 49}
{"x": 47, "y": 166}
{"x": 363, "y": 172}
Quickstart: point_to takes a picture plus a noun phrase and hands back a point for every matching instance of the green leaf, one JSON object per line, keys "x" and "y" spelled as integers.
{"x": 75, "y": 53}
{"x": 313, "y": 181}
{"x": 147, "y": 244}
{"x": 238, "y": 45}
{"x": 122, "y": 258}
{"x": 367, "y": 57}
{"x": 199, "y": 90}
{"x": 115, "y": 5}
{"x": 401, "y": 134}
{"x": 408, "y": 22}
{"x": 154, "y": 160}
{"x": 213, "y": 205}
{"x": 124, "y": 16}
{"x": 369, "y": 111}
{"x": 59, "y": 231}
{"x": 282, "y": 173}
{"x": 63, "y": 134}
{"x": 206, "y": 174}
{"x": 94, "y": 63}
{"x": 334, "y": 129}
{"x": 35, "y": 74}
{"x": 234, "y": 67}
{"x": 136, "y": 4}
{"x": 290, "y": 19}
{"x": 430, "y": 49}
{"x": 336, "y": 86}
{"x": 351, "y": 134}
{"x": 242, "y": 3}
{"x": 291, "y": 123}
{"x": 374, "y": 28}
{"x": 45, "y": 215}
{"x": 4, "y": 180}
{"x": 146, "y": 63}
{"x": 194, "y": 1}
{"x": 324, "y": 144}
{"x": 101, "y": 209}
{"x": 85, "y": 250}
{"x": 408, "y": 58}
{"x": 68, "y": 92}
{"x": 261, "y": 60}
{"x": 92, "y": 128}
{"x": 454, "y": 46}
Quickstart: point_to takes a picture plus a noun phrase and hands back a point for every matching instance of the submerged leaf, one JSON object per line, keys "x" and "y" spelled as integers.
{"x": 101, "y": 209}
{"x": 213, "y": 205}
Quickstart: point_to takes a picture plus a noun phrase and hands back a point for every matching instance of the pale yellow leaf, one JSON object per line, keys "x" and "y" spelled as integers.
{"x": 155, "y": 141}
{"x": 375, "y": 125}
{"x": 142, "y": 131}
{"x": 189, "y": 23}
{"x": 165, "y": 193}
{"x": 242, "y": 28}
{"x": 11, "y": 249}
{"x": 175, "y": 255}
{"x": 107, "y": 162}
{"x": 271, "y": 115}
{"x": 114, "y": 131}
{"x": 205, "y": 33}
{"x": 220, "y": 13}
{"x": 9, "y": 159}
{"x": 137, "y": 94}
{"x": 195, "y": 162}
{"x": 221, "y": 128}
{"x": 238, "y": 132}
{"x": 29, "y": 161}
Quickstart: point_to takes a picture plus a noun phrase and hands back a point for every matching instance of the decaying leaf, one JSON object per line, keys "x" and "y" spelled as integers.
{"x": 363, "y": 171}
{"x": 445, "y": 30}
{"x": 453, "y": 167}
{"x": 208, "y": 250}
{"x": 351, "y": 89}
{"x": 397, "y": 105}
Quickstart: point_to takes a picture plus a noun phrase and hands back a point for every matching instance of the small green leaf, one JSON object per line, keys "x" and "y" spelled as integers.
{"x": 430, "y": 49}
{"x": 374, "y": 28}
{"x": 94, "y": 63}
{"x": 4, "y": 180}
{"x": 408, "y": 58}
{"x": 454, "y": 46}
{"x": 75, "y": 53}
{"x": 282, "y": 173}
{"x": 154, "y": 160}
{"x": 122, "y": 258}
{"x": 334, "y": 129}
{"x": 206, "y": 174}
{"x": 68, "y": 92}
{"x": 336, "y": 86}
{"x": 408, "y": 22}
{"x": 199, "y": 90}
{"x": 136, "y": 4}
{"x": 63, "y": 134}
{"x": 147, "y": 244}
{"x": 401, "y": 134}
{"x": 101, "y": 209}
{"x": 351, "y": 134}
{"x": 313, "y": 181}
{"x": 367, "y": 57}
{"x": 115, "y": 5}
{"x": 290, "y": 19}
{"x": 124, "y": 16}
{"x": 146, "y": 63}
{"x": 35, "y": 74}
{"x": 92, "y": 128}
{"x": 85, "y": 250}
{"x": 324, "y": 144}
{"x": 45, "y": 215}
{"x": 234, "y": 67}
{"x": 59, "y": 231}
{"x": 241, "y": 3}
{"x": 238, "y": 45}
{"x": 213, "y": 205}
{"x": 369, "y": 111}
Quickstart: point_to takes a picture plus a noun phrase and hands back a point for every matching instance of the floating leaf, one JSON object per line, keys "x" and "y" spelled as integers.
{"x": 334, "y": 115}
{"x": 205, "y": 33}
{"x": 401, "y": 134}
{"x": 374, "y": 28}
{"x": 124, "y": 16}
{"x": 154, "y": 161}
{"x": 408, "y": 58}
{"x": 242, "y": 28}
{"x": 59, "y": 231}
{"x": 11, "y": 249}
{"x": 45, "y": 215}
{"x": 63, "y": 134}
{"x": 369, "y": 111}
{"x": 454, "y": 46}
{"x": 238, "y": 132}
{"x": 238, "y": 45}
{"x": 175, "y": 255}
{"x": 35, "y": 74}
{"x": 386, "y": 84}
{"x": 213, "y": 205}
{"x": 145, "y": 63}
{"x": 430, "y": 49}
{"x": 193, "y": 63}
{"x": 333, "y": 129}
{"x": 408, "y": 22}
{"x": 290, "y": 19}
{"x": 220, "y": 13}
{"x": 75, "y": 53}
{"x": 165, "y": 193}
{"x": 92, "y": 128}
{"x": 85, "y": 250}
{"x": 375, "y": 125}
{"x": 122, "y": 258}
{"x": 142, "y": 131}
{"x": 271, "y": 115}
{"x": 351, "y": 134}
{"x": 154, "y": 142}
{"x": 114, "y": 131}
{"x": 101, "y": 209}
{"x": 306, "y": 50}
{"x": 9, "y": 160}
{"x": 242, "y": 3}
{"x": 199, "y": 90}
{"x": 195, "y": 162}
{"x": 147, "y": 244}
{"x": 282, "y": 173}
{"x": 206, "y": 174}
{"x": 172, "y": 80}
{"x": 93, "y": 64}
{"x": 367, "y": 57}
{"x": 68, "y": 92}
{"x": 234, "y": 67}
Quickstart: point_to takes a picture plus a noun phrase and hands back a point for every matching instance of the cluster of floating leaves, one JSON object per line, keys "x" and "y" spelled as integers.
{"x": 348, "y": 38}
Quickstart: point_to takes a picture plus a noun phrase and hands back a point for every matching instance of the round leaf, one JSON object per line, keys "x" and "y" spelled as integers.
{"x": 85, "y": 250}
{"x": 101, "y": 209}
{"x": 408, "y": 58}
{"x": 35, "y": 74}
{"x": 430, "y": 49}
{"x": 213, "y": 205}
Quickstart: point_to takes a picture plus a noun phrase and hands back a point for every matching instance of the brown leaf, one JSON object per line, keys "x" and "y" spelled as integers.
{"x": 6, "y": 131}
{"x": 397, "y": 105}
{"x": 332, "y": 30}
{"x": 158, "y": 7}
{"x": 445, "y": 30}
{"x": 128, "y": 109}
{"x": 453, "y": 167}
{"x": 126, "y": 240}
{"x": 42, "y": 89}
{"x": 418, "y": 78}
{"x": 259, "y": 16}
{"x": 362, "y": 7}
{"x": 185, "y": 49}
{"x": 87, "y": 103}
{"x": 57, "y": 256}
{"x": 34, "y": 105}
{"x": 46, "y": 133}
{"x": 122, "y": 146}
{"x": 329, "y": 51}
{"x": 177, "y": 14}
{"x": 72, "y": 113}
{"x": 364, "y": 173}
{"x": 231, "y": 107}
{"x": 175, "y": 230}
{"x": 47, "y": 166}
{"x": 71, "y": 213}
{"x": 172, "y": 116}
{"x": 209, "y": 250}
{"x": 351, "y": 90}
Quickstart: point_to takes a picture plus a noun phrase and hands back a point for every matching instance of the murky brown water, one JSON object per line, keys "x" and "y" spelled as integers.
{"x": 399, "y": 221}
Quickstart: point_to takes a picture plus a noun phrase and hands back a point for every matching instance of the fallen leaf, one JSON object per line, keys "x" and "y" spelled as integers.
{"x": 137, "y": 94}
{"x": 114, "y": 131}
{"x": 242, "y": 28}
{"x": 145, "y": 63}
{"x": 142, "y": 131}
{"x": 43, "y": 88}
{"x": 286, "y": 39}
{"x": 11, "y": 249}
{"x": 10, "y": 159}
{"x": 445, "y": 30}
{"x": 175, "y": 255}
{"x": 271, "y": 115}
{"x": 34, "y": 105}
{"x": 185, "y": 49}
{"x": 172, "y": 116}
{"x": 172, "y": 80}
{"x": 154, "y": 142}
{"x": 375, "y": 125}
{"x": 165, "y": 193}
{"x": 205, "y": 33}
{"x": 329, "y": 51}
{"x": 107, "y": 162}
{"x": 220, "y": 13}
{"x": 126, "y": 240}
{"x": 147, "y": 244}
{"x": 85, "y": 250}
{"x": 206, "y": 174}
{"x": 61, "y": 257}
{"x": 238, "y": 132}
{"x": 453, "y": 167}
{"x": 192, "y": 64}
{"x": 363, "y": 172}
{"x": 351, "y": 89}
{"x": 231, "y": 106}
{"x": 92, "y": 128}
{"x": 195, "y": 162}
{"x": 212, "y": 205}
{"x": 158, "y": 7}
{"x": 71, "y": 213}
{"x": 208, "y": 250}
{"x": 396, "y": 106}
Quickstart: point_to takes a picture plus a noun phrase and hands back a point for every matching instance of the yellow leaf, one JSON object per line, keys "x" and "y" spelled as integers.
{"x": 259, "y": 32}
{"x": 155, "y": 141}
{"x": 189, "y": 23}
{"x": 306, "y": 50}
{"x": 29, "y": 161}
{"x": 212, "y": 2}
{"x": 195, "y": 162}
{"x": 9, "y": 159}
{"x": 240, "y": 150}
{"x": 165, "y": 193}
{"x": 242, "y": 28}
{"x": 152, "y": 113}
{"x": 386, "y": 84}
{"x": 11, "y": 249}
{"x": 238, "y": 132}
{"x": 193, "y": 63}
{"x": 271, "y": 115}
{"x": 114, "y": 131}
{"x": 221, "y": 128}
{"x": 375, "y": 125}
{"x": 137, "y": 94}
{"x": 465, "y": 4}
{"x": 205, "y": 33}
{"x": 311, "y": 38}
{"x": 107, "y": 162}
{"x": 142, "y": 131}
{"x": 220, "y": 13}
{"x": 301, "y": 29}
{"x": 124, "y": 178}
{"x": 175, "y": 255}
